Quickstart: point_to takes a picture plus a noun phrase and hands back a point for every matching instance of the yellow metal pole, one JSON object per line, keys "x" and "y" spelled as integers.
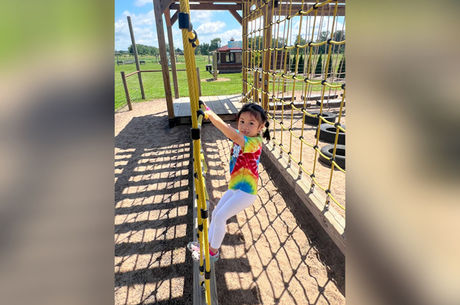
{"x": 190, "y": 41}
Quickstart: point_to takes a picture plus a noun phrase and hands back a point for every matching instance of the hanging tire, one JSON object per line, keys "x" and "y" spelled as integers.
{"x": 330, "y": 116}
{"x": 327, "y": 134}
{"x": 339, "y": 155}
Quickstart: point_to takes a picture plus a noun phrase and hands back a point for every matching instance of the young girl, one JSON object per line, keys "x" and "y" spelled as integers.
{"x": 244, "y": 162}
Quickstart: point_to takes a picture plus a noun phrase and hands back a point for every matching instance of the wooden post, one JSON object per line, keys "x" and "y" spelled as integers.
{"x": 268, "y": 17}
{"x": 214, "y": 65}
{"x": 199, "y": 81}
{"x": 171, "y": 53}
{"x": 245, "y": 51}
{"x": 128, "y": 100}
{"x": 164, "y": 60}
{"x": 135, "y": 56}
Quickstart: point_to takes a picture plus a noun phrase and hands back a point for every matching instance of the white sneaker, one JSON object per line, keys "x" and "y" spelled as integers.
{"x": 196, "y": 256}
{"x": 193, "y": 246}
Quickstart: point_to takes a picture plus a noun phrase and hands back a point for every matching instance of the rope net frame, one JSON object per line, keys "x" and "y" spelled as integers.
{"x": 293, "y": 53}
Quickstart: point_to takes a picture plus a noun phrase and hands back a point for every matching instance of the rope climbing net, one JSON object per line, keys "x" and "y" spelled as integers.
{"x": 294, "y": 65}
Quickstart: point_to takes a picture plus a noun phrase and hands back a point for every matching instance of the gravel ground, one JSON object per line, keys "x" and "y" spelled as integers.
{"x": 274, "y": 251}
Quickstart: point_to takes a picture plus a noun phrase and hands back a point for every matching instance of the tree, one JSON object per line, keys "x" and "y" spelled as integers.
{"x": 329, "y": 68}
{"x": 279, "y": 43}
{"x": 341, "y": 70}
{"x": 256, "y": 43}
{"x": 300, "y": 41}
{"x": 300, "y": 65}
{"x": 319, "y": 65}
{"x": 323, "y": 36}
{"x": 203, "y": 48}
{"x": 215, "y": 44}
{"x": 339, "y": 36}
{"x": 309, "y": 68}
{"x": 143, "y": 50}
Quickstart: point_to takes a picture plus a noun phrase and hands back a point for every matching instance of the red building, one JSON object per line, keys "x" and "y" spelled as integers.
{"x": 229, "y": 57}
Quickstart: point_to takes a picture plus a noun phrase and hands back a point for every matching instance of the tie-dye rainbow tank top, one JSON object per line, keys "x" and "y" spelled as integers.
{"x": 244, "y": 165}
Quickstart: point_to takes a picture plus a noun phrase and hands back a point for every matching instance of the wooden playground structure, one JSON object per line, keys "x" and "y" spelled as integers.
{"x": 294, "y": 96}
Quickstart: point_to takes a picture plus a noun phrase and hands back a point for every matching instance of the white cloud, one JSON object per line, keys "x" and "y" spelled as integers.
{"x": 143, "y": 27}
{"x": 201, "y": 16}
{"x": 225, "y": 36}
{"x": 210, "y": 27}
{"x": 119, "y": 25}
{"x": 143, "y": 2}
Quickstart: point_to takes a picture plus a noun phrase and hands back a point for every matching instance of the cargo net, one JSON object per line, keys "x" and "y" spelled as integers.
{"x": 294, "y": 66}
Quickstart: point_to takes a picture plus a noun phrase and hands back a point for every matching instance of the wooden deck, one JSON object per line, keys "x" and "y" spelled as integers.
{"x": 226, "y": 106}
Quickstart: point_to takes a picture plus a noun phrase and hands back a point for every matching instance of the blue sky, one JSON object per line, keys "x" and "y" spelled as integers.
{"x": 208, "y": 24}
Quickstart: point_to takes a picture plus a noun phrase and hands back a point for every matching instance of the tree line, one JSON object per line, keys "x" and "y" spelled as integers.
{"x": 253, "y": 43}
{"x": 201, "y": 49}
{"x": 257, "y": 42}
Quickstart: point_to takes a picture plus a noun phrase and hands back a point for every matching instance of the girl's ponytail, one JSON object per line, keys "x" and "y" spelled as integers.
{"x": 266, "y": 133}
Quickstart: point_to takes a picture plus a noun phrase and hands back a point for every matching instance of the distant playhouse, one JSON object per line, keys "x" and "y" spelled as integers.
{"x": 229, "y": 57}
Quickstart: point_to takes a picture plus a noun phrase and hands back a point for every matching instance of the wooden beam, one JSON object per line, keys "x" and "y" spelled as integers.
{"x": 174, "y": 17}
{"x": 163, "y": 59}
{"x": 209, "y": 6}
{"x": 171, "y": 53}
{"x": 286, "y": 10}
{"x": 283, "y": 3}
{"x": 165, "y": 4}
{"x": 323, "y": 11}
{"x": 136, "y": 58}
{"x": 237, "y": 16}
{"x": 128, "y": 99}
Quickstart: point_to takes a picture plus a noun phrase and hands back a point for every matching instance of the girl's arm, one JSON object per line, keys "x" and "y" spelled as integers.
{"x": 226, "y": 129}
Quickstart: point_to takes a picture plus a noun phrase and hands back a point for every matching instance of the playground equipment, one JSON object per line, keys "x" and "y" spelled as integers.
{"x": 306, "y": 41}
{"x": 213, "y": 68}
{"x": 278, "y": 32}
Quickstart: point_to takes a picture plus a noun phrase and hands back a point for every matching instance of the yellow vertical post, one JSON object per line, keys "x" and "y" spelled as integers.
{"x": 190, "y": 41}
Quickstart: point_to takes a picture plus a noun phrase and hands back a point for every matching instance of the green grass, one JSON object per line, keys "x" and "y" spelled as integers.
{"x": 153, "y": 81}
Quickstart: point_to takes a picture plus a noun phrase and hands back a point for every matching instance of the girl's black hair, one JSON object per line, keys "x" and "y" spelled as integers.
{"x": 258, "y": 112}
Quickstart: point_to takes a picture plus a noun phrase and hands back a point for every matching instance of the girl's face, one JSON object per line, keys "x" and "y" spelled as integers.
{"x": 249, "y": 125}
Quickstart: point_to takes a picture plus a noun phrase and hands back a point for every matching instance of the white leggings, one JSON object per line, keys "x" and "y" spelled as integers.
{"x": 231, "y": 203}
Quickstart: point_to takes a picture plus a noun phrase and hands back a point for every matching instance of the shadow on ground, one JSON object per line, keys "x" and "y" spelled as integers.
{"x": 153, "y": 214}
{"x": 274, "y": 252}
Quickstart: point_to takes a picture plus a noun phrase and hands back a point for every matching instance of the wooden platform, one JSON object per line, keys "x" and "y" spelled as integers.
{"x": 226, "y": 106}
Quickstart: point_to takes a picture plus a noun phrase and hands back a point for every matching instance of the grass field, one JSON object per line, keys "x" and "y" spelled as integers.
{"x": 153, "y": 81}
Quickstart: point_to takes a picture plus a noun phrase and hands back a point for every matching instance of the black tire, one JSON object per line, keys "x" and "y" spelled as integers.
{"x": 330, "y": 116}
{"x": 339, "y": 155}
{"x": 327, "y": 134}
